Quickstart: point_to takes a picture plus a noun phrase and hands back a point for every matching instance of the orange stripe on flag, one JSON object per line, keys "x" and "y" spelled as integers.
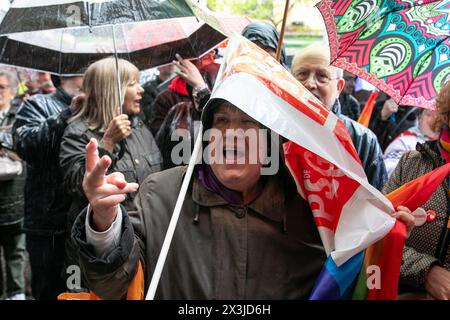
{"x": 366, "y": 113}
{"x": 416, "y": 192}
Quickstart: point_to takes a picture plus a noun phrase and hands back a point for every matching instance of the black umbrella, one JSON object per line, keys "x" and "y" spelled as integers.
{"x": 32, "y": 15}
{"x": 69, "y": 51}
{"x": 64, "y": 36}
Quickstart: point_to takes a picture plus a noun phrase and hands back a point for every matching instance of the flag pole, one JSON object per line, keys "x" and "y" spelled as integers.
{"x": 117, "y": 71}
{"x": 174, "y": 220}
{"x": 283, "y": 27}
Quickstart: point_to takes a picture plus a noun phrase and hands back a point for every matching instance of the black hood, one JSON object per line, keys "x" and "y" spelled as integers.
{"x": 265, "y": 34}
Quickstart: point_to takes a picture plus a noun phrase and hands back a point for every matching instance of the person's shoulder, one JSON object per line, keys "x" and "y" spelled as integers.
{"x": 41, "y": 97}
{"x": 13, "y": 109}
{"x": 38, "y": 103}
{"x": 165, "y": 179}
{"x": 164, "y": 94}
{"x": 77, "y": 126}
{"x": 413, "y": 156}
{"x": 360, "y": 134}
{"x": 414, "y": 164}
{"x": 423, "y": 155}
{"x": 353, "y": 99}
{"x": 34, "y": 107}
{"x": 162, "y": 187}
{"x": 357, "y": 127}
{"x": 181, "y": 106}
{"x": 428, "y": 150}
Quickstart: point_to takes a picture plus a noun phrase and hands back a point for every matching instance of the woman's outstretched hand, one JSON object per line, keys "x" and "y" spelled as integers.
{"x": 104, "y": 192}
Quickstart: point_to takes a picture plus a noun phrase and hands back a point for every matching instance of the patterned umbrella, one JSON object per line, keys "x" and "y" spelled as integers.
{"x": 401, "y": 47}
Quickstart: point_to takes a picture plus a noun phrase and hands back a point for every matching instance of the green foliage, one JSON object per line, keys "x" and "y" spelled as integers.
{"x": 256, "y": 9}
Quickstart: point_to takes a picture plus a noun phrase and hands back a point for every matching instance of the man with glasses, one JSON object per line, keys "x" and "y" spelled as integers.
{"x": 311, "y": 67}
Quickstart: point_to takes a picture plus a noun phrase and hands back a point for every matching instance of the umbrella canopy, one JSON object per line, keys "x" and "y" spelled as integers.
{"x": 69, "y": 51}
{"x": 26, "y": 15}
{"x": 401, "y": 47}
{"x": 146, "y": 43}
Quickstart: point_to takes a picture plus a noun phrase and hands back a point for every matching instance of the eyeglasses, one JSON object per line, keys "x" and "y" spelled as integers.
{"x": 321, "y": 77}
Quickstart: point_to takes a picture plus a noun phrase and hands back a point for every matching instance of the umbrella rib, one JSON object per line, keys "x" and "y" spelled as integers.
{"x": 60, "y": 52}
{"x": 196, "y": 54}
{"x": 119, "y": 90}
{"x": 89, "y": 16}
{"x": 4, "y": 48}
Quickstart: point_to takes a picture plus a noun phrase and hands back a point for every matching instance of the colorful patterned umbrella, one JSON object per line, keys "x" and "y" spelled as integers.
{"x": 401, "y": 47}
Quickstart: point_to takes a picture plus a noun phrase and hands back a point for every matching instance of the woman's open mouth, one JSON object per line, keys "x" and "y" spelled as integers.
{"x": 233, "y": 155}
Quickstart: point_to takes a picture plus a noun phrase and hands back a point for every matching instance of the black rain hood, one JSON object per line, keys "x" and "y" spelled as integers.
{"x": 267, "y": 35}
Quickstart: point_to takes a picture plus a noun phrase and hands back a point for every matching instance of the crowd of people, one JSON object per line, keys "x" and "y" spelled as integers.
{"x": 85, "y": 148}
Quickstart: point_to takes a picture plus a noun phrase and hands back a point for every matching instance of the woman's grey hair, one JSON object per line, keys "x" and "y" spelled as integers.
{"x": 12, "y": 80}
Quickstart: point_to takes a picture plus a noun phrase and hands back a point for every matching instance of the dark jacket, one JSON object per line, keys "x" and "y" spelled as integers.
{"x": 428, "y": 244}
{"x": 163, "y": 102}
{"x": 139, "y": 158}
{"x": 219, "y": 251}
{"x": 38, "y": 130}
{"x": 11, "y": 191}
{"x": 388, "y": 130}
{"x": 136, "y": 158}
{"x": 349, "y": 106}
{"x": 367, "y": 147}
{"x": 177, "y": 130}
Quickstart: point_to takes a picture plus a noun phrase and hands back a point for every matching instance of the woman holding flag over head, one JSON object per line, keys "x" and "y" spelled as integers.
{"x": 241, "y": 234}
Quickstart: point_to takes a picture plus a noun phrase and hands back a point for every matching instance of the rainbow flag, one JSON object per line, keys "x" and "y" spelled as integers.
{"x": 382, "y": 258}
{"x": 382, "y": 254}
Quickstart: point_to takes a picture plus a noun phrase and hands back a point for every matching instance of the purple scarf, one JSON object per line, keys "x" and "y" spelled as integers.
{"x": 209, "y": 180}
